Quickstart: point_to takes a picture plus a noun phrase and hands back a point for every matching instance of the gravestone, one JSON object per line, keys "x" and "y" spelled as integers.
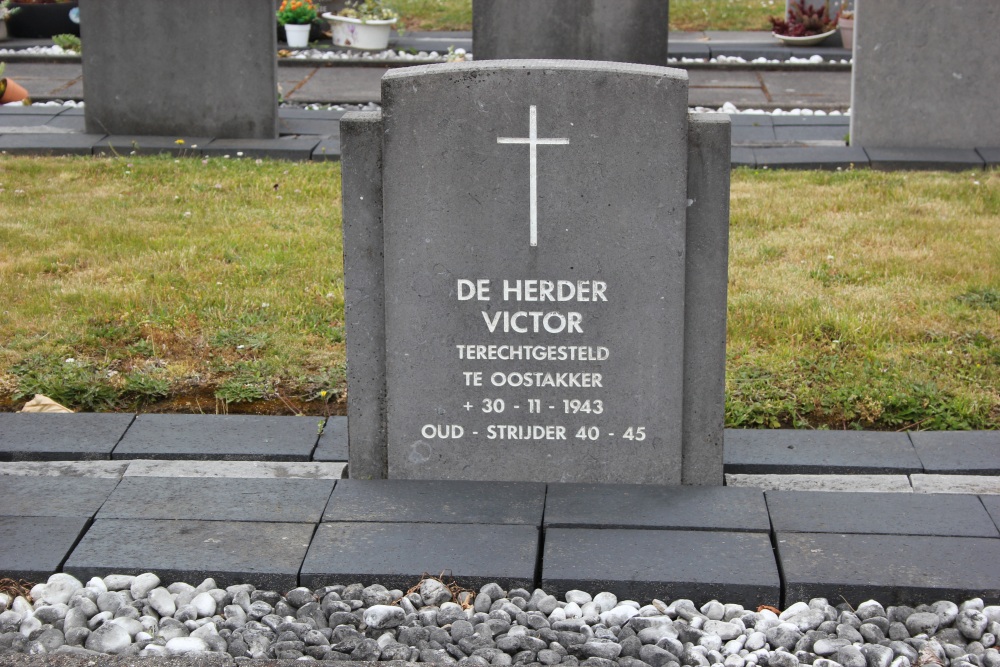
{"x": 926, "y": 74}
{"x": 535, "y": 261}
{"x": 181, "y": 68}
{"x": 632, "y": 31}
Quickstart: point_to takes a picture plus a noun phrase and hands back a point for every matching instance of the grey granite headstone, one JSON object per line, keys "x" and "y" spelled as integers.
{"x": 632, "y": 31}
{"x": 521, "y": 238}
{"x": 184, "y": 68}
{"x": 925, "y": 74}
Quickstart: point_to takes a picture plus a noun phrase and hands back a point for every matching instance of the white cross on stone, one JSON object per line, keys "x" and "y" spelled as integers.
{"x": 533, "y": 142}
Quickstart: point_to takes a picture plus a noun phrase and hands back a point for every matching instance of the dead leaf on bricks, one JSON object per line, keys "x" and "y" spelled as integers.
{"x": 461, "y": 596}
{"x": 769, "y": 608}
{"x": 42, "y": 403}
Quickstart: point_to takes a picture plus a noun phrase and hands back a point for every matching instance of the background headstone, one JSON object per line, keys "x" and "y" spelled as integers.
{"x": 545, "y": 342}
{"x": 180, "y": 68}
{"x": 926, "y": 74}
{"x": 633, "y": 31}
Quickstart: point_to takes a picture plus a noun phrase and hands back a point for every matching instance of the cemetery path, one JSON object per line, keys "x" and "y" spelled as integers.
{"x": 74, "y": 484}
{"x": 324, "y": 84}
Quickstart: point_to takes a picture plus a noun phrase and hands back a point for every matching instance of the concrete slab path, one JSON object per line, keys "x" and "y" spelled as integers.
{"x": 279, "y": 523}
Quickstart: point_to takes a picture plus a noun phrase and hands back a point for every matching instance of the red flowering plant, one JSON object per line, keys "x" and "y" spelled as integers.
{"x": 296, "y": 12}
{"x": 804, "y": 21}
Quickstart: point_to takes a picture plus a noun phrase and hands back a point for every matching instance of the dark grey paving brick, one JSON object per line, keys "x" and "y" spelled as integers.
{"x": 810, "y": 133}
{"x": 215, "y": 437}
{"x": 688, "y": 50}
{"x": 798, "y": 89}
{"x": 826, "y": 119}
{"x": 893, "y": 569}
{"x": 317, "y": 126}
{"x": 149, "y": 145}
{"x": 762, "y": 451}
{"x": 721, "y": 78}
{"x": 958, "y": 452}
{"x": 60, "y": 437}
{"x": 753, "y": 134}
{"x": 34, "y": 547}
{"x": 333, "y": 443}
{"x": 310, "y": 114}
{"x": 287, "y": 148}
{"x": 879, "y": 513}
{"x": 424, "y": 501}
{"x": 742, "y": 156}
{"x": 664, "y": 564}
{"x": 949, "y": 159}
{"x": 397, "y": 554}
{"x": 811, "y": 157}
{"x": 990, "y": 155}
{"x": 992, "y": 504}
{"x": 752, "y": 119}
{"x": 30, "y": 495}
{"x": 26, "y": 120}
{"x": 332, "y": 85}
{"x": 49, "y": 144}
{"x": 33, "y": 110}
{"x": 266, "y": 555}
{"x": 219, "y": 499}
{"x": 328, "y": 149}
{"x": 655, "y": 507}
{"x": 72, "y": 123}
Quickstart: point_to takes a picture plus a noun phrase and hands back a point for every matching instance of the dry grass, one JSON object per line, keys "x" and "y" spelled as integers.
{"x": 857, "y": 299}
{"x": 693, "y": 15}
{"x": 155, "y": 275}
{"x": 864, "y": 299}
{"x": 684, "y": 14}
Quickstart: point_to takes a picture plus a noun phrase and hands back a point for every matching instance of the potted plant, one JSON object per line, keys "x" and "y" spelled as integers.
{"x": 10, "y": 90}
{"x": 846, "y": 24}
{"x": 805, "y": 25}
{"x": 297, "y": 17}
{"x": 36, "y": 19}
{"x": 5, "y": 12}
{"x": 363, "y": 25}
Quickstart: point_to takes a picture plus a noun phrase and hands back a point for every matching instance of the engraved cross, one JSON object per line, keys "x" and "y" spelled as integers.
{"x": 533, "y": 142}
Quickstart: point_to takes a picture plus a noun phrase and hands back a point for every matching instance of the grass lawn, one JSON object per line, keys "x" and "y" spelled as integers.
{"x": 857, "y": 299}
{"x": 684, "y": 14}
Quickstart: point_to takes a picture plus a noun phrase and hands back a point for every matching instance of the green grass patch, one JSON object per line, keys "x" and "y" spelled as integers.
{"x": 857, "y": 299}
{"x": 694, "y": 15}
{"x": 690, "y": 15}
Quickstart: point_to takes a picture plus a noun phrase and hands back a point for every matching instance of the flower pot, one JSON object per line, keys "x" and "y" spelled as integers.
{"x": 847, "y": 32}
{"x": 357, "y": 34}
{"x": 810, "y": 40}
{"x": 297, "y": 36}
{"x": 12, "y": 91}
{"x": 42, "y": 21}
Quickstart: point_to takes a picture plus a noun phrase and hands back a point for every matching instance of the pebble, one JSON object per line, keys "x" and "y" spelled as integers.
{"x": 141, "y": 616}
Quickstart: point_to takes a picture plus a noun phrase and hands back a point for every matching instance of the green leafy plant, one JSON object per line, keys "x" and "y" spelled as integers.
{"x": 985, "y": 297}
{"x": 75, "y": 384}
{"x": 369, "y": 10}
{"x": 6, "y": 11}
{"x": 296, "y": 12}
{"x": 804, "y": 21}
{"x": 68, "y": 42}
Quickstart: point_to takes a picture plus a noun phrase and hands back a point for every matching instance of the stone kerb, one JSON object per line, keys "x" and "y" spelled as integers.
{"x": 522, "y": 271}
{"x": 181, "y": 68}
{"x": 926, "y": 74}
{"x": 633, "y": 31}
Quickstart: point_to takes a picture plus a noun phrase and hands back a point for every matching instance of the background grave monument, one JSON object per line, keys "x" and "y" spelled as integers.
{"x": 536, "y": 279}
{"x": 913, "y": 87}
{"x": 632, "y": 31}
{"x": 181, "y": 68}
